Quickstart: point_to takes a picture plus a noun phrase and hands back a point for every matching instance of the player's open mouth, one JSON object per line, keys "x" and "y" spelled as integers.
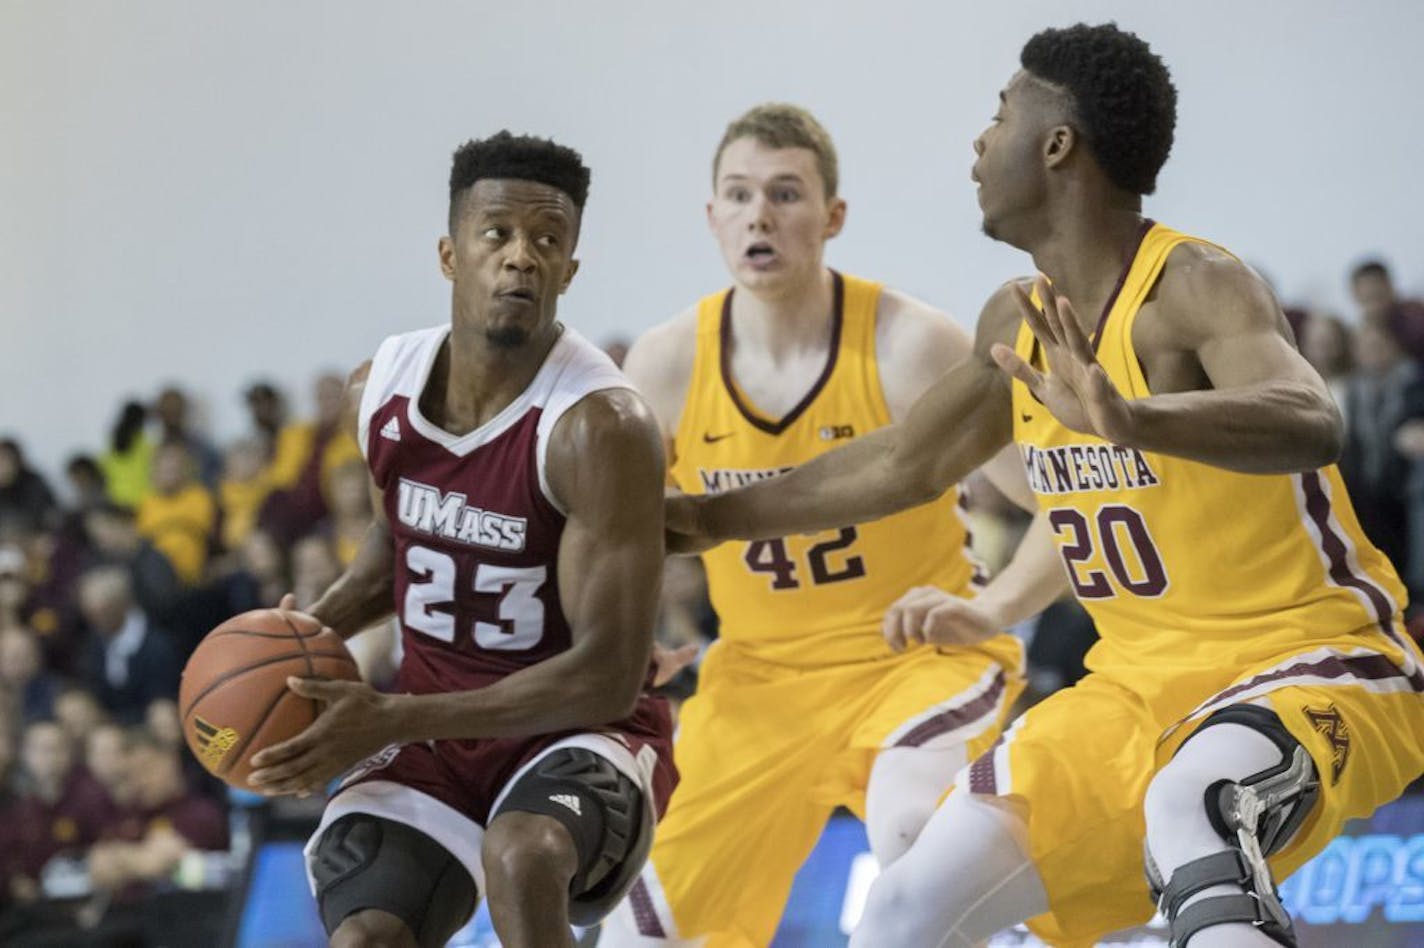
{"x": 761, "y": 253}
{"x": 520, "y": 293}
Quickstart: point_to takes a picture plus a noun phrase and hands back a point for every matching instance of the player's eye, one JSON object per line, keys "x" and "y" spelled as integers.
{"x": 785, "y": 195}
{"x": 547, "y": 240}
{"x": 492, "y": 233}
{"x": 740, "y": 195}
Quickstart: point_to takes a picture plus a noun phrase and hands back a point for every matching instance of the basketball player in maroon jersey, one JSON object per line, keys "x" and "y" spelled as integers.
{"x": 518, "y": 481}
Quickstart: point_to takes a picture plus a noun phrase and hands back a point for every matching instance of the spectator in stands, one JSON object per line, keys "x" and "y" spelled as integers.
{"x": 1380, "y": 305}
{"x": 113, "y": 534}
{"x": 179, "y": 515}
{"x": 244, "y": 487}
{"x": 164, "y": 822}
{"x": 14, "y": 587}
{"x": 105, "y": 759}
{"x": 78, "y": 712}
{"x": 268, "y": 411}
{"x": 60, "y": 809}
{"x": 1375, "y": 407}
{"x": 314, "y": 567}
{"x": 307, "y": 453}
{"x": 25, "y": 683}
{"x": 175, "y": 427}
{"x": 126, "y": 464}
{"x": 264, "y": 564}
{"x": 86, "y": 482}
{"x": 26, "y": 502}
{"x": 349, "y": 504}
{"x": 7, "y": 772}
{"x": 1326, "y": 343}
{"x": 127, "y": 662}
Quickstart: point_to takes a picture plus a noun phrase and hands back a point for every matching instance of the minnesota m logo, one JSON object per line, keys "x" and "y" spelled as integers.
{"x": 1328, "y": 721}
{"x": 213, "y": 742}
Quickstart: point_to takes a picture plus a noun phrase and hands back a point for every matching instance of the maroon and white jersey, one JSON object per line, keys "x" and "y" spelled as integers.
{"x": 475, "y": 522}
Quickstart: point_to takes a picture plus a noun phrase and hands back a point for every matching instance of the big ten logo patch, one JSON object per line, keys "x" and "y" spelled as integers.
{"x": 837, "y": 432}
{"x": 1327, "y": 721}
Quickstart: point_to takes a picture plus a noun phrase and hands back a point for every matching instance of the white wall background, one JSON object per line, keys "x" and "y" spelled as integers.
{"x": 205, "y": 193}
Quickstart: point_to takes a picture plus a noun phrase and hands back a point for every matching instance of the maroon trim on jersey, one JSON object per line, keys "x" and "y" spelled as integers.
{"x": 644, "y": 914}
{"x": 981, "y": 772}
{"x": 777, "y": 427}
{"x": 1361, "y": 667}
{"x": 1317, "y": 505}
{"x": 1147, "y": 225}
{"x": 957, "y": 716}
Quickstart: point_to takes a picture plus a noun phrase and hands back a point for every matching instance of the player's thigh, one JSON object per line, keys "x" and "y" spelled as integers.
{"x": 368, "y": 870}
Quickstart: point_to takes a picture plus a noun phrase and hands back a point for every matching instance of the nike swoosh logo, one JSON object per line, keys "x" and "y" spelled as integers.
{"x": 1025, "y": 417}
{"x": 708, "y": 438}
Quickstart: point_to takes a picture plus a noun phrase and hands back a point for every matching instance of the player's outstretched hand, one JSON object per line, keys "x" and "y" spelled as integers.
{"x": 669, "y": 661}
{"x": 346, "y": 732}
{"x": 1076, "y": 388}
{"x": 927, "y": 615}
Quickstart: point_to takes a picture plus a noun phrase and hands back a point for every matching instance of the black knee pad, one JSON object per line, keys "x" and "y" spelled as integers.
{"x": 368, "y": 862}
{"x": 603, "y": 811}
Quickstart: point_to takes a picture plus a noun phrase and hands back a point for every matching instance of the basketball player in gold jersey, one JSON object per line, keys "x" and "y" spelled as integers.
{"x": 1253, "y": 688}
{"x": 802, "y": 705}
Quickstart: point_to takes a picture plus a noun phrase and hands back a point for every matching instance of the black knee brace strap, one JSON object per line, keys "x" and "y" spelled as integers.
{"x": 605, "y": 814}
{"x": 367, "y": 862}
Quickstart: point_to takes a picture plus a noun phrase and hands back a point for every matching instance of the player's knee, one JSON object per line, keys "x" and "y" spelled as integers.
{"x": 527, "y": 848}
{"x": 372, "y": 929}
{"x": 892, "y": 835}
{"x": 890, "y": 909}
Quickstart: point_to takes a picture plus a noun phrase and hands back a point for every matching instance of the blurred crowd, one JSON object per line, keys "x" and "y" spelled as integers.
{"x": 158, "y": 535}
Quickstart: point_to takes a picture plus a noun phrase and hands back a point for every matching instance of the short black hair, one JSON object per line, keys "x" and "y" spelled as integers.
{"x": 524, "y": 157}
{"x": 1122, "y": 93}
{"x": 1366, "y": 268}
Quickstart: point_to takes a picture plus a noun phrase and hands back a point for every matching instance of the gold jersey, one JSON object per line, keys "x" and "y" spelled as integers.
{"x": 1187, "y": 568}
{"x": 816, "y": 599}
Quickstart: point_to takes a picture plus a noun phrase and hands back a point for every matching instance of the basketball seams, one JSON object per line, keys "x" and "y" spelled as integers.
{"x": 311, "y": 669}
{"x": 235, "y": 755}
{"x": 239, "y": 672}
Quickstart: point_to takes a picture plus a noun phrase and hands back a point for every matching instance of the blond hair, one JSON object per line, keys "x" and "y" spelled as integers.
{"x": 781, "y": 125}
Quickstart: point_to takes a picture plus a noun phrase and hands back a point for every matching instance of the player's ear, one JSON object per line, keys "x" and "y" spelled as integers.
{"x": 1061, "y": 141}
{"x": 711, "y": 221}
{"x": 568, "y": 276}
{"x": 446, "y": 249}
{"x": 835, "y": 218}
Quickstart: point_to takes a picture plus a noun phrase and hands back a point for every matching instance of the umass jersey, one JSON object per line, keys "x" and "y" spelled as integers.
{"x": 475, "y": 522}
{"x": 476, "y": 530}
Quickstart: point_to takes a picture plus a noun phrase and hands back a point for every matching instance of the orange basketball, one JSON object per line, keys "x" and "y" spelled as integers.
{"x": 234, "y": 698}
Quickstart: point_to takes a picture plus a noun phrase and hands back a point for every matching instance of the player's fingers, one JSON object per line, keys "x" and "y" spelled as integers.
{"x": 890, "y": 629}
{"x": 1009, "y": 361}
{"x": 1034, "y": 317}
{"x": 290, "y": 749}
{"x": 299, "y": 781}
{"x": 318, "y": 689}
{"x": 1076, "y": 340}
{"x": 671, "y": 661}
{"x": 288, "y": 603}
{"x": 275, "y": 775}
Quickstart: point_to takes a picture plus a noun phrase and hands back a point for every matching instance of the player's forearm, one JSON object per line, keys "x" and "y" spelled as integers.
{"x": 859, "y": 482}
{"x": 1269, "y": 428}
{"x": 364, "y": 594}
{"x": 1032, "y": 581}
{"x": 566, "y": 692}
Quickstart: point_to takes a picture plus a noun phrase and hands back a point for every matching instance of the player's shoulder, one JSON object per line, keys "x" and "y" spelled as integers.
{"x": 1204, "y": 289}
{"x": 660, "y": 363}
{"x": 607, "y": 426}
{"x": 911, "y": 327}
{"x": 1001, "y": 315}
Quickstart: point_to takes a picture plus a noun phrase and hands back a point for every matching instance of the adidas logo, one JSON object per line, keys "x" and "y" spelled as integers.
{"x": 569, "y": 800}
{"x": 391, "y": 430}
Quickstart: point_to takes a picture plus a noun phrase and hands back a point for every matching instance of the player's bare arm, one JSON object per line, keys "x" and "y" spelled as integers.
{"x": 605, "y": 465}
{"x": 959, "y": 423}
{"x": 660, "y": 365}
{"x": 1257, "y": 406}
{"x": 363, "y": 594}
{"x": 916, "y": 344}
